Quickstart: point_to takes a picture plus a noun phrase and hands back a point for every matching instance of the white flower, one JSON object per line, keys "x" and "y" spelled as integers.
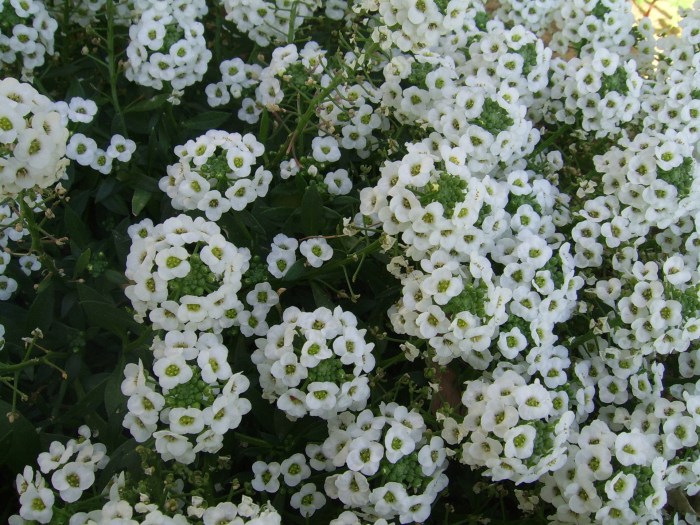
{"x": 621, "y": 486}
{"x": 308, "y": 500}
{"x": 322, "y": 398}
{"x": 266, "y": 476}
{"x": 398, "y": 443}
{"x": 364, "y": 456}
{"x": 186, "y": 420}
{"x": 29, "y": 264}
{"x": 352, "y": 488}
{"x": 72, "y": 479}
{"x": 680, "y": 432}
{"x": 174, "y": 446}
{"x": 213, "y": 364}
{"x": 81, "y": 110}
{"x": 519, "y": 441}
{"x": 316, "y": 250}
{"x": 146, "y": 404}
{"x": 81, "y": 149}
{"x": 37, "y": 504}
{"x": 57, "y": 455}
{"x": 338, "y": 182}
{"x": 172, "y": 371}
{"x": 121, "y": 148}
{"x": 533, "y": 401}
{"x": 295, "y": 470}
{"x": 432, "y": 456}
{"x": 633, "y": 448}
{"x": 325, "y": 149}
{"x": 389, "y": 499}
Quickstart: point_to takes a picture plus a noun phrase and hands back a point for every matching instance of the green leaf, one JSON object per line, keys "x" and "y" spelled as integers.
{"x": 100, "y": 311}
{"x": 88, "y": 404}
{"x": 264, "y": 125}
{"x": 19, "y": 441}
{"x": 312, "y": 211}
{"x": 82, "y": 263}
{"x": 75, "y": 227}
{"x": 148, "y": 105}
{"x": 207, "y": 120}
{"x": 106, "y": 189}
{"x": 115, "y": 203}
{"x": 124, "y": 458}
{"x": 321, "y": 297}
{"x": 139, "y": 200}
{"x": 295, "y": 272}
{"x": 115, "y": 402}
{"x": 40, "y": 312}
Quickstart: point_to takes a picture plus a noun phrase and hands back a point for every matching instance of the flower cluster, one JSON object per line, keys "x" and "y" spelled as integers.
{"x": 32, "y": 139}
{"x": 84, "y": 151}
{"x": 266, "y": 21}
{"x": 600, "y": 89}
{"x": 391, "y": 467}
{"x": 201, "y": 400}
{"x": 116, "y": 509}
{"x": 515, "y": 428}
{"x": 315, "y": 363}
{"x": 216, "y": 173}
{"x": 12, "y": 230}
{"x": 516, "y": 194}
{"x": 167, "y": 46}
{"x": 146, "y": 502}
{"x": 419, "y": 25}
{"x": 72, "y": 467}
{"x": 588, "y": 25}
{"x": 480, "y": 107}
{"x": 485, "y": 248}
{"x": 185, "y": 274}
{"x": 26, "y": 35}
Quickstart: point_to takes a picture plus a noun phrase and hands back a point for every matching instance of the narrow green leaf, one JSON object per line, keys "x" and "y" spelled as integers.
{"x": 139, "y": 201}
{"x": 264, "y": 126}
{"x": 207, "y": 120}
{"x": 19, "y": 441}
{"x": 321, "y": 297}
{"x": 103, "y": 313}
{"x": 76, "y": 229}
{"x": 82, "y": 263}
{"x": 40, "y": 313}
{"x": 312, "y": 211}
{"x": 147, "y": 105}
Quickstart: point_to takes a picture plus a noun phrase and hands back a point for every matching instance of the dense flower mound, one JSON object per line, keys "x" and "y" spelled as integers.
{"x": 392, "y": 467}
{"x": 385, "y": 240}
{"x": 32, "y": 139}
{"x": 185, "y": 274}
{"x": 167, "y": 46}
{"x": 215, "y": 174}
{"x": 315, "y": 363}
{"x": 484, "y": 248}
{"x": 382, "y": 466}
{"x": 200, "y": 400}
{"x": 26, "y": 35}
{"x": 514, "y": 427}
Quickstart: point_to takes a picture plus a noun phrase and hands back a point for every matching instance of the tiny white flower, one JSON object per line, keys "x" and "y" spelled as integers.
{"x": 316, "y": 250}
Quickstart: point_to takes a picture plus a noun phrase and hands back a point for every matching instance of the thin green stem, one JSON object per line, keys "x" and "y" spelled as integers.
{"x": 550, "y": 140}
{"x": 305, "y": 118}
{"x": 112, "y": 66}
{"x": 370, "y": 248}
{"x": 252, "y": 440}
